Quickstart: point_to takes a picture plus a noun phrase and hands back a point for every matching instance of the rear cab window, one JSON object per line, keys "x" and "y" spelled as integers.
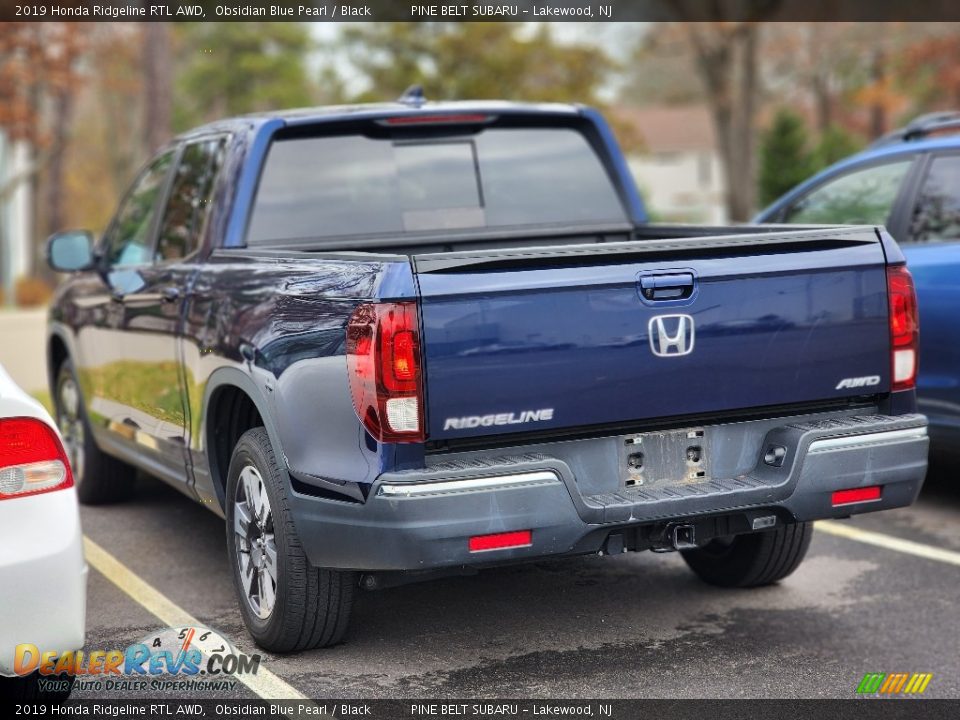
{"x": 387, "y": 183}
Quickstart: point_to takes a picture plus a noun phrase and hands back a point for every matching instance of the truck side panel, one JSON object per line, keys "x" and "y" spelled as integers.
{"x": 281, "y": 325}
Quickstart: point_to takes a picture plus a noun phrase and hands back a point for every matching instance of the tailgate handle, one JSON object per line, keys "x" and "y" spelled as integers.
{"x": 675, "y": 286}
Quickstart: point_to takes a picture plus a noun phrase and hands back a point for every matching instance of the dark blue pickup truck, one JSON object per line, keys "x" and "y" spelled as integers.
{"x": 393, "y": 341}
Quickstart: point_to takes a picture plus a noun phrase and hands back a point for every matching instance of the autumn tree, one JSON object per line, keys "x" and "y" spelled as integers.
{"x": 475, "y": 61}
{"x": 157, "y": 85}
{"x": 39, "y": 77}
{"x": 931, "y": 69}
{"x": 726, "y": 55}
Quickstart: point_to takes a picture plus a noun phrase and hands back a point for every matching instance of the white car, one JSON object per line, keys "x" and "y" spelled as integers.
{"x": 43, "y": 576}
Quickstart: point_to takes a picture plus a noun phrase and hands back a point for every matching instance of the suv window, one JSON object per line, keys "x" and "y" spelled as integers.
{"x": 936, "y": 215}
{"x": 861, "y": 197}
{"x": 189, "y": 201}
{"x": 128, "y": 240}
{"x": 321, "y": 187}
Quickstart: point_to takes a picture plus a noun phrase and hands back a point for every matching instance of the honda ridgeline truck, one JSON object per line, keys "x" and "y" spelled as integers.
{"x": 388, "y": 342}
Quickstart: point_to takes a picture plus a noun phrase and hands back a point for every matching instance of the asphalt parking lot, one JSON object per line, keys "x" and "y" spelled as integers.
{"x": 638, "y": 625}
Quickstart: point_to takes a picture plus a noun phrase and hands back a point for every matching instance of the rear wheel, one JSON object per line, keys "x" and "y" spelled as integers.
{"x": 751, "y": 560}
{"x": 287, "y": 604}
{"x": 99, "y": 478}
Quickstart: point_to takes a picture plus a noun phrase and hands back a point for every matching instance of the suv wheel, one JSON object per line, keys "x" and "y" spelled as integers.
{"x": 98, "y": 477}
{"x": 752, "y": 560}
{"x": 287, "y": 604}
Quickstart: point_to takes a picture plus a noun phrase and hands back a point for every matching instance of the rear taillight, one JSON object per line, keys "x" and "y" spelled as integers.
{"x": 904, "y": 328}
{"x": 32, "y": 460}
{"x": 383, "y": 360}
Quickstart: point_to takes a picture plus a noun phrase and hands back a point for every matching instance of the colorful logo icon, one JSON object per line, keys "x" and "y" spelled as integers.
{"x": 894, "y": 683}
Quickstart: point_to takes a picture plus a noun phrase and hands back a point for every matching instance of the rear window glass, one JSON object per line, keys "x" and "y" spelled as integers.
{"x": 331, "y": 186}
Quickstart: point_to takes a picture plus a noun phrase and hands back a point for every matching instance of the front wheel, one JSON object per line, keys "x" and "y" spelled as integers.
{"x": 287, "y": 604}
{"x": 751, "y": 560}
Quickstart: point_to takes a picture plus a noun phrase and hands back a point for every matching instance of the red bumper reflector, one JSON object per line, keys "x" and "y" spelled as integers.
{"x": 856, "y": 495}
{"x": 499, "y": 541}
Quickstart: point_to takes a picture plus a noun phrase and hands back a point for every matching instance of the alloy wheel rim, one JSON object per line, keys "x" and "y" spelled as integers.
{"x": 71, "y": 426}
{"x": 255, "y": 542}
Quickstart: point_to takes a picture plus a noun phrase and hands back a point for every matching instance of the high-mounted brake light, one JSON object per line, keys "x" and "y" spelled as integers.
{"x": 904, "y": 328}
{"x": 32, "y": 459}
{"x": 436, "y": 119}
{"x": 383, "y": 360}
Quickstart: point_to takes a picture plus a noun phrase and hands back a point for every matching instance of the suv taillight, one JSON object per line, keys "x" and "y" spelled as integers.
{"x": 383, "y": 360}
{"x": 904, "y": 328}
{"x": 32, "y": 460}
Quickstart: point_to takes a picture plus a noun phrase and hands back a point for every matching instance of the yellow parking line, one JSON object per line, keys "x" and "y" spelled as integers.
{"x": 264, "y": 683}
{"x": 888, "y": 542}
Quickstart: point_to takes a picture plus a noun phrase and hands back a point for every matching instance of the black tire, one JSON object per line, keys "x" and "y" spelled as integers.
{"x": 751, "y": 560}
{"x": 28, "y": 689}
{"x": 98, "y": 477}
{"x": 310, "y": 606}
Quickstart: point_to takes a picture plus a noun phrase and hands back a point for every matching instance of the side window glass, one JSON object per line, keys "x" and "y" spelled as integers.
{"x": 863, "y": 197}
{"x": 936, "y": 215}
{"x": 128, "y": 241}
{"x": 190, "y": 196}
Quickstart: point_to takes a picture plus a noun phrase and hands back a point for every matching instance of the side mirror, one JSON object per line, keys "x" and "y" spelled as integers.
{"x": 70, "y": 250}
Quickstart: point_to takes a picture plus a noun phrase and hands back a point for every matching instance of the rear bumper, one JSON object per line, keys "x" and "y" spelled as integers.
{"x": 43, "y": 576}
{"x": 422, "y": 520}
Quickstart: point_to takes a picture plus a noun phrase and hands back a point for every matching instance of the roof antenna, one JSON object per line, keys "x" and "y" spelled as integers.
{"x": 413, "y": 96}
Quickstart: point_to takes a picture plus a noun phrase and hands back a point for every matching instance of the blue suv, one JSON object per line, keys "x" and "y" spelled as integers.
{"x": 909, "y": 181}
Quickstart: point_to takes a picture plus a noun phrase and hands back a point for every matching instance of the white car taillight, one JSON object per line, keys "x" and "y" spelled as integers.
{"x": 32, "y": 459}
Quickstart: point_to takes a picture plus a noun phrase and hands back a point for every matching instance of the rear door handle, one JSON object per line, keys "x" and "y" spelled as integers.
{"x": 668, "y": 286}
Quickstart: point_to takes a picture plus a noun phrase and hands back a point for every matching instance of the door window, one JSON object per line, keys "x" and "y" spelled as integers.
{"x": 189, "y": 202}
{"x": 936, "y": 214}
{"x": 128, "y": 240}
{"x": 862, "y": 197}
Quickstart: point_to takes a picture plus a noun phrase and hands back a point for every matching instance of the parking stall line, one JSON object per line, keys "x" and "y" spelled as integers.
{"x": 888, "y": 542}
{"x": 265, "y": 683}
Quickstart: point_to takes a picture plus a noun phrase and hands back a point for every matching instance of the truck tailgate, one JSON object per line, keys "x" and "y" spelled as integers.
{"x": 577, "y": 336}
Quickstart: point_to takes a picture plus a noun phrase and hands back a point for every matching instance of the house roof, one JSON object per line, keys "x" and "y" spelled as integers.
{"x": 687, "y": 128}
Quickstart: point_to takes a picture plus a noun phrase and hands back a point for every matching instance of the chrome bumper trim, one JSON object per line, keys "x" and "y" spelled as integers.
{"x": 495, "y": 482}
{"x": 877, "y": 438}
